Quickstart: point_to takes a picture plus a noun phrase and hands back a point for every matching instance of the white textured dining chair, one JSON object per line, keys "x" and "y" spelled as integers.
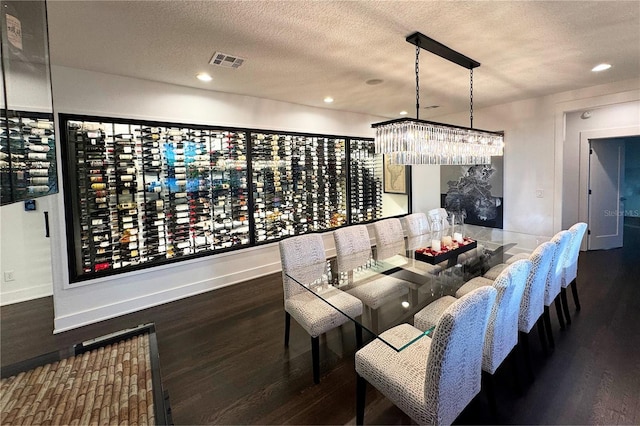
{"x": 502, "y": 330}
{"x": 553, "y": 287}
{"x": 303, "y": 257}
{"x": 438, "y": 219}
{"x": 554, "y": 282}
{"x": 436, "y": 377}
{"x": 416, "y": 224}
{"x": 353, "y": 250}
{"x": 532, "y": 304}
{"x": 570, "y": 270}
{"x": 390, "y": 242}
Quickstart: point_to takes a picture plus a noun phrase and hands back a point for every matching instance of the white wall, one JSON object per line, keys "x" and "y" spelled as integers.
{"x": 25, "y": 251}
{"x": 534, "y": 145}
{"x": 91, "y": 93}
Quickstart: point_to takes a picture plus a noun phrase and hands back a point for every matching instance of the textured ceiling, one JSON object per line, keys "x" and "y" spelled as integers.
{"x": 302, "y": 51}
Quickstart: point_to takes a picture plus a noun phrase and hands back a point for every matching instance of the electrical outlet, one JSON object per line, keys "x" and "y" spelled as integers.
{"x": 9, "y": 276}
{"x": 539, "y": 193}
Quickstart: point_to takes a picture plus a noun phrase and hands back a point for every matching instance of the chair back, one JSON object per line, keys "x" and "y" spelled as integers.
{"x": 502, "y": 331}
{"x": 438, "y": 219}
{"x": 571, "y": 267}
{"x": 353, "y": 247}
{"x": 554, "y": 279}
{"x": 532, "y": 305}
{"x": 304, "y": 258}
{"x": 389, "y": 238}
{"x": 416, "y": 224}
{"x": 455, "y": 359}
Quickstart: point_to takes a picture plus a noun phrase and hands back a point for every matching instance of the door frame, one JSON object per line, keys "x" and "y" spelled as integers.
{"x": 619, "y": 132}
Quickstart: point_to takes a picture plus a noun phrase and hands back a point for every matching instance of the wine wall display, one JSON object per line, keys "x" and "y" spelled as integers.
{"x": 146, "y": 193}
{"x": 299, "y": 184}
{"x": 366, "y": 181}
{"x": 27, "y": 156}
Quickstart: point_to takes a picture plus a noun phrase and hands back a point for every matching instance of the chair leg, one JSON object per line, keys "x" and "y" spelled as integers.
{"x": 574, "y": 290}
{"x": 488, "y": 381}
{"x": 541, "y": 335}
{"x": 559, "y": 312}
{"x": 524, "y": 338}
{"x": 547, "y": 326}
{"x": 516, "y": 373}
{"x": 315, "y": 353}
{"x": 565, "y": 305}
{"x": 361, "y": 394}
{"x": 287, "y": 328}
{"x": 358, "y": 334}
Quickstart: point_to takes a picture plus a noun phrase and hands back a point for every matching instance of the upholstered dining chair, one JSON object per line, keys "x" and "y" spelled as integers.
{"x": 390, "y": 242}
{"x": 438, "y": 219}
{"x": 416, "y": 224}
{"x": 532, "y": 304}
{"x": 554, "y": 281}
{"x": 570, "y": 270}
{"x": 436, "y": 377}
{"x": 502, "y": 330}
{"x": 303, "y": 257}
{"x": 353, "y": 250}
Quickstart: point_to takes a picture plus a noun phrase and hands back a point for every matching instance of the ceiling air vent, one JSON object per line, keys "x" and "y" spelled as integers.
{"x": 226, "y": 60}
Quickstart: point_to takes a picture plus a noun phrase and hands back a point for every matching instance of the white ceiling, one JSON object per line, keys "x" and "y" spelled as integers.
{"x": 302, "y": 51}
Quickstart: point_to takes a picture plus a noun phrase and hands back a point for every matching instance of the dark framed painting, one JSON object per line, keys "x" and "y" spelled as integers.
{"x": 395, "y": 177}
{"x": 475, "y": 191}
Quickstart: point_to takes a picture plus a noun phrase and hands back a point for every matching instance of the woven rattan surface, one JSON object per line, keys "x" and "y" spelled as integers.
{"x": 109, "y": 385}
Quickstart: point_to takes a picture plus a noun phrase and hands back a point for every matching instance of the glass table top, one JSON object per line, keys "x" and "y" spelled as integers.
{"x": 394, "y": 289}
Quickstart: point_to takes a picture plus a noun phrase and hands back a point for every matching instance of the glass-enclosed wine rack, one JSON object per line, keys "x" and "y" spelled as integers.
{"x": 27, "y": 156}
{"x": 365, "y": 182}
{"x": 145, "y": 193}
{"x": 298, "y": 183}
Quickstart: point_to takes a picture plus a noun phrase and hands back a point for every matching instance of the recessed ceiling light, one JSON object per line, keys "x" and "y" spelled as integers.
{"x": 328, "y": 100}
{"x": 601, "y": 67}
{"x": 374, "y": 81}
{"x": 203, "y": 76}
{"x": 403, "y": 113}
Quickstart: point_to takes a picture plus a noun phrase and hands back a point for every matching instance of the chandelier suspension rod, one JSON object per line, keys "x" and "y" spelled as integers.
{"x": 417, "y": 82}
{"x": 471, "y": 98}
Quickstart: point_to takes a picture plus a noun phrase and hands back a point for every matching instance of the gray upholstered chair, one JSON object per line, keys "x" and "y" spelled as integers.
{"x": 416, "y": 224}
{"x": 502, "y": 331}
{"x": 303, "y": 257}
{"x": 434, "y": 379}
{"x": 353, "y": 250}
{"x": 570, "y": 270}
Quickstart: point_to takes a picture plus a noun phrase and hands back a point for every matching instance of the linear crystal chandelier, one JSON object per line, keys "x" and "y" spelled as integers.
{"x": 413, "y": 141}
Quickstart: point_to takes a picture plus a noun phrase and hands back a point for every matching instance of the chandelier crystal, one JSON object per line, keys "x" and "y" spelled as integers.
{"x": 411, "y": 141}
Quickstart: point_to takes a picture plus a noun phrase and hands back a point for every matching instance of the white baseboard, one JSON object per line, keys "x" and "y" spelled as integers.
{"x": 24, "y": 294}
{"x": 79, "y": 319}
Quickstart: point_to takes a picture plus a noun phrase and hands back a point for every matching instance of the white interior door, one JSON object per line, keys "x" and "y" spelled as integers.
{"x": 606, "y": 180}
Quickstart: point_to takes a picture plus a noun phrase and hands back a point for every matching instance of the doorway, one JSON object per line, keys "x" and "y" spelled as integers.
{"x": 607, "y": 203}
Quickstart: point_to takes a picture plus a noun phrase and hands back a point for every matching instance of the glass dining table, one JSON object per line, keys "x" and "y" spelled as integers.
{"x": 394, "y": 289}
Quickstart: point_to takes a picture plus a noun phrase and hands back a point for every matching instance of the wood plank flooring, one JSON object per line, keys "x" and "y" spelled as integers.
{"x": 224, "y": 362}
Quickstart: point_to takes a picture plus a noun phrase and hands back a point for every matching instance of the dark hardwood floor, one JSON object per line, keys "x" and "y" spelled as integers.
{"x": 223, "y": 359}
